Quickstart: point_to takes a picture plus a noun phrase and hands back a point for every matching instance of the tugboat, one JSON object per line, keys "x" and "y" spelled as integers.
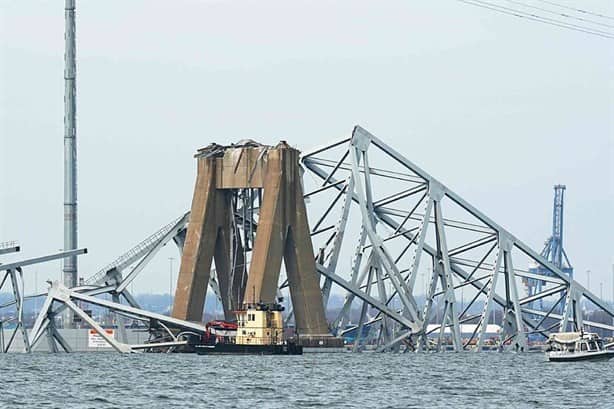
{"x": 577, "y": 346}
{"x": 258, "y": 330}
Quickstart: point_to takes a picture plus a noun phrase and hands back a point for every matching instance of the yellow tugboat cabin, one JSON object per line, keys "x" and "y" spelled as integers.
{"x": 260, "y": 324}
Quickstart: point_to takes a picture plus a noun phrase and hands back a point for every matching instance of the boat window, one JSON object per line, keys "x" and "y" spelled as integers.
{"x": 583, "y": 346}
{"x": 592, "y": 346}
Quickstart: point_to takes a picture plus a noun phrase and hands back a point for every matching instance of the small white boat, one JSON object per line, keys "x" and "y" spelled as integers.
{"x": 577, "y": 346}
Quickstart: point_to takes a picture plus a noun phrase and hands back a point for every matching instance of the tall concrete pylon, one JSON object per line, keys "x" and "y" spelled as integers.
{"x": 250, "y": 172}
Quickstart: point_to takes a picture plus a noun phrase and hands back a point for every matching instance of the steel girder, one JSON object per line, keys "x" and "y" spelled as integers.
{"x": 13, "y": 272}
{"x": 142, "y": 253}
{"x": 388, "y": 192}
{"x": 9, "y": 247}
{"x": 69, "y": 298}
{"x": 109, "y": 280}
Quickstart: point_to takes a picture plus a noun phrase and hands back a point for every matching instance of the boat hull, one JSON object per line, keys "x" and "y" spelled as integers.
{"x": 238, "y": 349}
{"x": 590, "y": 356}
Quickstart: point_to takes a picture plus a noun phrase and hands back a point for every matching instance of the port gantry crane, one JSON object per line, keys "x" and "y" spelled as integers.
{"x": 553, "y": 250}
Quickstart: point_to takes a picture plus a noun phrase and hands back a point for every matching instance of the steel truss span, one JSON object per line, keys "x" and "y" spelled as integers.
{"x": 420, "y": 268}
{"x": 13, "y": 273}
{"x": 379, "y": 222}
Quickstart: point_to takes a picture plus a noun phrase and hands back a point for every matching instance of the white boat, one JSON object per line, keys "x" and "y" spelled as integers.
{"x": 577, "y": 346}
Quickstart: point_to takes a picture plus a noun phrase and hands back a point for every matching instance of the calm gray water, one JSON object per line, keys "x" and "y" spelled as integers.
{"x": 487, "y": 380}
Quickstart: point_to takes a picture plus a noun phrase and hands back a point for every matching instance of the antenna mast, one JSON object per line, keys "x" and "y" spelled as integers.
{"x": 70, "y": 151}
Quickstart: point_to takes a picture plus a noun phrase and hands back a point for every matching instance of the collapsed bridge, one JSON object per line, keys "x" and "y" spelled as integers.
{"x": 373, "y": 224}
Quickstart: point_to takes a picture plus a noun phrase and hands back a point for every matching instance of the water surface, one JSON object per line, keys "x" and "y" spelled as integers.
{"x": 152, "y": 381}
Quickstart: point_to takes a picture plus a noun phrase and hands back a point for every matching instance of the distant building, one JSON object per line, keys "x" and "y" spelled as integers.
{"x": 467, "y": 330}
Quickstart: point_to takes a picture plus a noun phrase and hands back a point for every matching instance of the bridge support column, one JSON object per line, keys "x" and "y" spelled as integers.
{"x": 244, "y": 175}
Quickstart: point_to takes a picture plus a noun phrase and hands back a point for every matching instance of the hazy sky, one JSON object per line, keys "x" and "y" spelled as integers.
{"x": 498, "y": 108}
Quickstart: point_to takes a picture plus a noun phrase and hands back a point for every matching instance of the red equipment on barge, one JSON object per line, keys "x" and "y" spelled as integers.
{"x": 222, "y": 332}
